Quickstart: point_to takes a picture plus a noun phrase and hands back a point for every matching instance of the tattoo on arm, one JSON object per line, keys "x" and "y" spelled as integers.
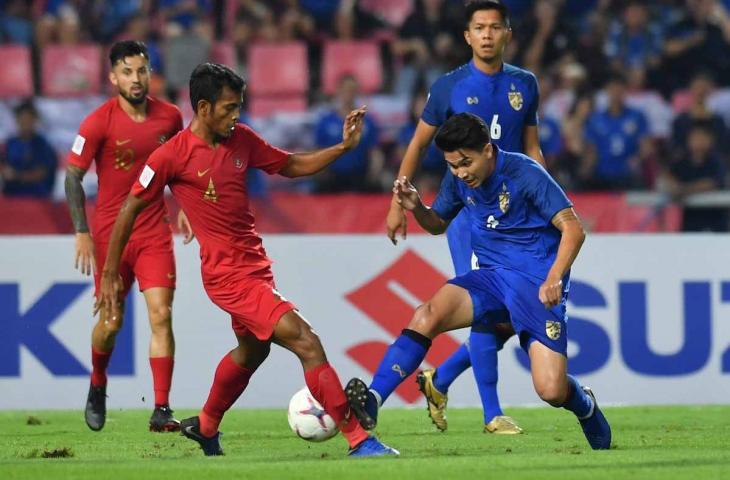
{"x": 564, "y": 216}
{"x": 76, "y": 198}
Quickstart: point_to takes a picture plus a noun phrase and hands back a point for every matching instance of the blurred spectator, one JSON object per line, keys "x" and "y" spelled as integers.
{"x": 614, "y": 135}
{"x": 568, "y": 164}
{"x": 323, "y": 12}
{"x": 700, "y": 88}
{"x": 698, "y": 169}
{"x": 138, "y": 28}
{"x": 110, "y": 17}
{"x": 430, "y": 42}
{"x": 15, "y": 22}
{"x": 30, "y": 163}
{"x": 352, "y": 21}
{"x": 433, "y": 165}
{"x": 60, "y": 23}
{"x": 698, "y": 41}
{"x": 633, "y": 42}
{"x": 181, "y": 16}
{"x": 360, "y": 169}
{"x": 572, "y": 77}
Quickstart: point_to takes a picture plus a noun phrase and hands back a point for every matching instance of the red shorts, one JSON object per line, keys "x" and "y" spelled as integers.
{"x": 254, "y": 304}
{"x": 150, "y": 260}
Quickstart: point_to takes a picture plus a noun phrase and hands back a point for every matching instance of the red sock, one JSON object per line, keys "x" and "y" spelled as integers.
{"x": 162, "y": 378}
{"x": 326, "y": 388}
{"x": 99, "y": 362}
{"x": 229, "y": 383}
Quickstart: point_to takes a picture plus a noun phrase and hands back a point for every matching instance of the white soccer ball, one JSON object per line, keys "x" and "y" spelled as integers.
{"x": 308, "y": 419}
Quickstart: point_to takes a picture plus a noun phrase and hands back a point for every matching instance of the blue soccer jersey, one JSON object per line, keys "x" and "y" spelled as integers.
{"x": 507, "y": 101}
{"x": 510, "y": 214}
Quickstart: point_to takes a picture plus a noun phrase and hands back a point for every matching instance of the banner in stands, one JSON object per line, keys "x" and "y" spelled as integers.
{"x": 648, "y": 321}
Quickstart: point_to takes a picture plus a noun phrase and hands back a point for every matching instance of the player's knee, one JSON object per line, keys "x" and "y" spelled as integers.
{"x": 551, "y": 392}
{"x": 111, "y": 326}
{"x": 425, "y": 320}
{"x": 161, "y": 319}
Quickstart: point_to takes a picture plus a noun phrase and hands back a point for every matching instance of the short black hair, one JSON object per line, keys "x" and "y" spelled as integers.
{"x": 207, "y": 82}
{"x": 473, "y": 6}
{"x": 26, "y": 106}
{"x": 127, "y": 48}
{"x": 463, "y": 130}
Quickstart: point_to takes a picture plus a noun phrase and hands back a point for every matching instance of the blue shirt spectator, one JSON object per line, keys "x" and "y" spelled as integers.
{"x": 30, "y": 162}
{"x": 634, "y": 42}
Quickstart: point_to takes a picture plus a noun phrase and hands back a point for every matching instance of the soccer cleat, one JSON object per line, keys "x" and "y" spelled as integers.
{"x": 211, "y": 446}
{"x": 372, "y": 447}
{"x": 595, "y": 426}
{"x": 362, "y": 402}
{"x": 163, "y": 421}
{"x": 95, "y": 412}
{"x": 435, "y": 400}
{"x": 502, "y": 425}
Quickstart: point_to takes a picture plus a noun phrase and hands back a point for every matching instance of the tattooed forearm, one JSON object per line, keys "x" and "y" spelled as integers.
{"x": 76, "y": 198}
{"x": 563, "y": 217}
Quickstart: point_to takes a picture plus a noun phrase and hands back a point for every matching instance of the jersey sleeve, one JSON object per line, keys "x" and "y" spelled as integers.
{"x": 436, "y": 110}
{"x": 87, "y": 143}
{"x": 531, "y": 114}
{"x": 448, "y": 203}
{"x": 157, "y": 172}
{"x": 264, "y": 156}
{"x": 544, "y": 192}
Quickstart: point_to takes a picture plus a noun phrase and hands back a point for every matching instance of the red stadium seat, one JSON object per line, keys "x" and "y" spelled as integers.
{"x": 360, "y": 59}
{"x": 279, "y": 69}
{"x": 223, "y": 52}
{"x": 72, "y": 70}
{"x": 393, "y": 11}
{"x": 16, "y": 76}
{"x": 266, "y": 105}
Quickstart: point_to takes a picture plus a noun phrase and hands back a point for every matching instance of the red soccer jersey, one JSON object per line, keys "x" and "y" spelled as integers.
{"x": 210, "y": 186}
{"x": 120, "y": 146}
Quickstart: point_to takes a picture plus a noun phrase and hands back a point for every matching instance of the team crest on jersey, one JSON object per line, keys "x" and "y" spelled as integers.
{"x": 504, "y": 197}
{"x": 553, "y": 329}
{"x": 210, "y": 193}
{"x": 470, "y": 201}
{"x": 472, "y": 100}
{"x": 515, "y": 98}
{"x": 237, "y": 163}
{"x": 162, "y": 139}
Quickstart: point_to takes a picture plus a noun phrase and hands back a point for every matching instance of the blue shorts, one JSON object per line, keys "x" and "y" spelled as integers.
{"x": 495, "y": 290}
{"x": 459, "y": 236}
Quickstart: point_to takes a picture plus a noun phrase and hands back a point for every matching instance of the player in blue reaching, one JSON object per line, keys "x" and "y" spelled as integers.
{"x": 525, "y": 235}
{"x": 507, "y": 98}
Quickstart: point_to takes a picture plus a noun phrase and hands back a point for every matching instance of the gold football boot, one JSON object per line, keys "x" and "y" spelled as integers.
{"x": 435, "y": 400}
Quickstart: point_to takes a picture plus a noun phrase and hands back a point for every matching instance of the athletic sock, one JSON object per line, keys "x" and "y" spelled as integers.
{"x": 162, "y": 379}
{"x": 483, "y": 349}
{"x": 99, "y": 364}
{"x": 229, "y": 383}
{"x": 326, "y": 388}
{"x": 401, "y": 360}
{"x": 454, "y": 366}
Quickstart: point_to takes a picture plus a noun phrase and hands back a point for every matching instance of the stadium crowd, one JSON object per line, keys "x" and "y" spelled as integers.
{"x": 634, "y": 95}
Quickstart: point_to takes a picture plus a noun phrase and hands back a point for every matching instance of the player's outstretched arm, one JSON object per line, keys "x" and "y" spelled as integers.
{"x": 396, "y": 220}
{"x": 303, "y": 164}
{"x": 531, "y": 141}
{"x": 406, "y": 196}
{"x": 111, "y": 283}
{"x": 571, "y": 239}
{"x": 76, "y": 200}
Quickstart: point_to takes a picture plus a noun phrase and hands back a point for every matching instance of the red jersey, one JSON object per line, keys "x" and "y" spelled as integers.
{"x": 210, "y": 186}
{"x": 120, "y": 146}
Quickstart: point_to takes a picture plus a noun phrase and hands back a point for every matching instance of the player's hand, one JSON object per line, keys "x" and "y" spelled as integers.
{"x": 406, "y": 194}
{"x": 352, "y": 128}
{"x": 183, "y": 224}
{"x": 551, "y": 292}
{"x": 85, "y": 254}
{"x": 395, "y": 221}
{"x": 107, "y": 299}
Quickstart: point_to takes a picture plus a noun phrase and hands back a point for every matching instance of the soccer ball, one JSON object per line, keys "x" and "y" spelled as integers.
{"x": 308, "y": 419}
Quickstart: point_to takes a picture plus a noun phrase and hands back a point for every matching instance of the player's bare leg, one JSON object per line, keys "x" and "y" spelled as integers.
{"x": 556, "y": 387}
{"x": 103, "y": 337}
{"x": 295, "y": 334}
{"x": 450, "y": 308}
{"x": 162, "y": 354}
{"x": 231, "y": 379}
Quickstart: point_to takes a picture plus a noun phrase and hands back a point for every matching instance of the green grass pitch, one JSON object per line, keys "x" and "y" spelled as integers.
{"x": 663, "y": 443}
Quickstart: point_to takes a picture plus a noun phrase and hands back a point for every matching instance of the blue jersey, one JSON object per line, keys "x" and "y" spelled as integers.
{"x": 616, "y": 139}
{"x": 328, "y": 132}
{"x": 507, "y": 101}
{"x": 510, "y": 214}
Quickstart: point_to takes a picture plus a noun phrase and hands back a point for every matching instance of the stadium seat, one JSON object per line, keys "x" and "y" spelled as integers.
{"x": 16, "y": 76}
{"x": 360, "y": 59}
{"x": 223, "y": 52}
{"x": 72, "y": 70}
{"x": 280, "y": 69}
{"x": 265, "y": 106}
{"x": 392, "y": 11}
